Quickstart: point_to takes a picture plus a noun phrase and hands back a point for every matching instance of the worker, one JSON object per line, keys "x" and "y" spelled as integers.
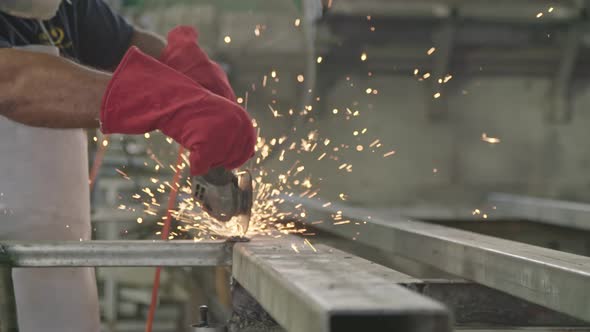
{"x": 57, "y": 61}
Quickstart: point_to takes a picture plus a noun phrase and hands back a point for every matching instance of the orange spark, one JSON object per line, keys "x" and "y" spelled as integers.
{"x": 390, "y": 153}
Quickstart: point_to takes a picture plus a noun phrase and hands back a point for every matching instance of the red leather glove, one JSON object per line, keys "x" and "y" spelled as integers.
{"x": 184, "y": 54}
{"x": 145, "y": 95}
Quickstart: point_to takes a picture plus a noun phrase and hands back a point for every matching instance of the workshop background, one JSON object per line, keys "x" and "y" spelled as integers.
{"x": 473, "y": 97}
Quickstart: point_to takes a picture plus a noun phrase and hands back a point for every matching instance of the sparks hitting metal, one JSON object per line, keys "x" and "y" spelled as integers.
{"x": 224, "y": 195}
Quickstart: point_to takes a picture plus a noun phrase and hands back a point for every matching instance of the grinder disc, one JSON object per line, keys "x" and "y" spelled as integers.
{"x": 245, "y": 201}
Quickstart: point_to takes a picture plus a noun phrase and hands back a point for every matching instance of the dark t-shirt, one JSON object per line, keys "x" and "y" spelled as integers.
{"x": 86, "y": 31}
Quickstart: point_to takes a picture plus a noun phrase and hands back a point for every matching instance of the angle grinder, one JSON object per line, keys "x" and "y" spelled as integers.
{"x": 224, "y": 194}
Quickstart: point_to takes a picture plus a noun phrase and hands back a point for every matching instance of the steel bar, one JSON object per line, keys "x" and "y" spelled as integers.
{"x": 319, "y": 288}
{"x": 115, "y": 253}
{"x": 547, "y": 277}
{"x": 548, "y": 211}
{"x": 8, "y": 318}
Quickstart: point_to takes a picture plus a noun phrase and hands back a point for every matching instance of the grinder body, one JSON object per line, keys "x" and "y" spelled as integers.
{"x": 224, "y": 195}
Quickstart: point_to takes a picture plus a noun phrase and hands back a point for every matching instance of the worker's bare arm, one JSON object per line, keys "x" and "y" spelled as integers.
{"x": 148, "y": 42}
{"x": 46, "y": 91}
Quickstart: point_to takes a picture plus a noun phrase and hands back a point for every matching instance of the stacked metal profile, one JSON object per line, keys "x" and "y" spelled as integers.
{"x": 525, "y": 285}
{"x": 320, "y": 288}
{"x": 449, "y": 274}
{"x": 323, "y": 289}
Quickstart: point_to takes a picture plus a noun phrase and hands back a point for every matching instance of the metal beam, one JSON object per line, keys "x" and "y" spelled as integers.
{"x": 328, "y": 290}
{"x": 306, "y": 289}
{"x": 115, "y": 253}
{"x": 547, "y": 277}
{"x": 548, "y": 211}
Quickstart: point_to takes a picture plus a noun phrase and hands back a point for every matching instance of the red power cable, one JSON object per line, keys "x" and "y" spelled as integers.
{"x": 165, "y": 233}
{"x": 98, "y": 158}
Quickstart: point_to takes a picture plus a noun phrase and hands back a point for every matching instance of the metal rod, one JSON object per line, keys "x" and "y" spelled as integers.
{"x": 550, "y": 278}
{"x": 8, "y": 317}
{"x": 115, "y": 253}
{"x": 324, "y": 289}
{"x": 548, "y": 211}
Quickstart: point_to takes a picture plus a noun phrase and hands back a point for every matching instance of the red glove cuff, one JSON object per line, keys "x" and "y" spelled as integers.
{"x": 145, "y": 95}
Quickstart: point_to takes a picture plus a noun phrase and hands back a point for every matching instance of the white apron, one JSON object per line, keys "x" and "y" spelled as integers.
{"x": 44, "y": 195}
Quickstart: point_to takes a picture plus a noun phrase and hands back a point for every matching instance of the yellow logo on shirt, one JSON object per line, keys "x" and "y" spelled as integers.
{"x": 57, "y": 36}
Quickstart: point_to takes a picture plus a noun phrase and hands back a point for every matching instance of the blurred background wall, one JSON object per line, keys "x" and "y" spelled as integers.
{"x": 505, "y": 64}
{"x": 510, "y": 115}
